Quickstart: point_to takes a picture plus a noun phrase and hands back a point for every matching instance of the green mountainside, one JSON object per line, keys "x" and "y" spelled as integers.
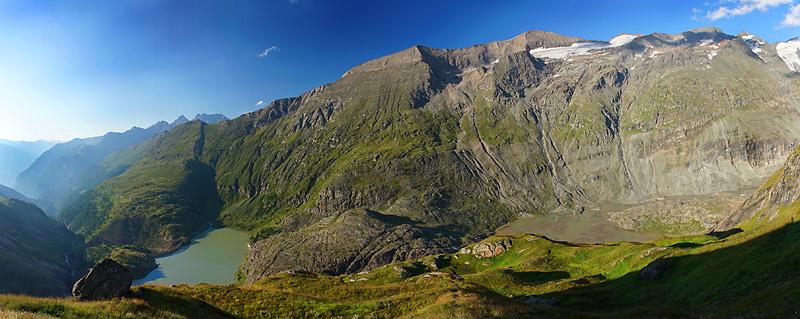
{"x": 423, "y": 151}
{"x": 38, "y": 256}
{"x": 746, "y": 273}
{"x": 82, "y": 164}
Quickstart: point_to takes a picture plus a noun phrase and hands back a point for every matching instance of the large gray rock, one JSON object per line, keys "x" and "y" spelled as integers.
{"x": 488, "y": 249}
{"x": 106, "y": 280}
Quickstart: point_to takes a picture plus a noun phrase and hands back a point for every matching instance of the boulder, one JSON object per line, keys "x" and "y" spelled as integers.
{"x": 488, "y": 249}
{"x": 106, "y": 280}
{"x": 654, "y": 269}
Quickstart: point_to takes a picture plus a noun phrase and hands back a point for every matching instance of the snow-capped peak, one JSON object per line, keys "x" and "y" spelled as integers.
{"x": 753, "y": 42}
{"x": 789, "y": 52}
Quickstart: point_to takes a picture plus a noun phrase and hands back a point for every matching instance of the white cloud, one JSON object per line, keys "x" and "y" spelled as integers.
{"x": 267, "y": 51}
{"x": 743, "y": 7}
{"x": 792, "y": 18}
{"x": 260, "y": 102}
{"x": 696, "y": 14}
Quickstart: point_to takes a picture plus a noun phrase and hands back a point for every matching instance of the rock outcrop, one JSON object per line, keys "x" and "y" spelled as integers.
{"x": 488, "y": 249}
{"x": 107, "y": 280}
{"x": 346, "y": 243}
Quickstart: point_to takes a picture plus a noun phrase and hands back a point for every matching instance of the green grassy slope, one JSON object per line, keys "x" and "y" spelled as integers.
{"x": 38, "y": 255}
{"x": 751, "y": 274}
{"x": 745, "y": 275}
{"x": 166, "y": 197}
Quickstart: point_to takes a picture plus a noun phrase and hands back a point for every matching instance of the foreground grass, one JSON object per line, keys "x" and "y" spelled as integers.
{"x": 755, "y": 273}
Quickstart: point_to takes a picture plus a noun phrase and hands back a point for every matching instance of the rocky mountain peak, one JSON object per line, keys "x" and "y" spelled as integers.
{"x": 789, "y": 52}
{"x": 210, "y": 118}
{"x": 179, "y": 121}
{"x": 474, "y": 56}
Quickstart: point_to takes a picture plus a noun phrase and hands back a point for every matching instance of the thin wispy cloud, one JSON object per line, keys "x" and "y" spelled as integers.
{"x": 792, "y": 18}
{"x": 696, "y": 14}
{"x": 742, "y": 7}
{"x": 267, "y": 51}
{"x": 293, "y": 1}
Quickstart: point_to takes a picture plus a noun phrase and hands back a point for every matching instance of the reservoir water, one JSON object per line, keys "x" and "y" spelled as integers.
{"x": 213, "y": 257}
{"x": 588, "y": 228}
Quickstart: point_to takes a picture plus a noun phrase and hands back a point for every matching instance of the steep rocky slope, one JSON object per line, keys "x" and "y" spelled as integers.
{"x": 38, "y": 256}
{"x": 426, "y": 149}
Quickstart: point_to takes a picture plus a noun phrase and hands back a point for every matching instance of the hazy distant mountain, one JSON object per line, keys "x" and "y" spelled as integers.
{"x": 9, "y": 192}
{"x": 16, "y": 156}
{"x": 207, "y": 118}
{"x": 179, "y": 121}
{"x": 72, "y": 166}
{"x": 61, "y": 173}
{"x": 210, "y": 118}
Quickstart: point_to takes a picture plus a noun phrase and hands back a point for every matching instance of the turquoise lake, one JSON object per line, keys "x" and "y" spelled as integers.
{"x": 213, "y": 258}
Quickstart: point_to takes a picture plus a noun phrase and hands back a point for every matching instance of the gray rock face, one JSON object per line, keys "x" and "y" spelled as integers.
{"x": 654, "y": 270}
{"x": 106, "y": 280}
{"x": 346, "y": 243}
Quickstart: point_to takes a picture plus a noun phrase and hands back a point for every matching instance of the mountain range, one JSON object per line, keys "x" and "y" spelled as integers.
{"x": 379, "y": 194}
{"x": 425, "y": 150}
{"x": 80, "y": 164}
{"x": 15, "y": 156}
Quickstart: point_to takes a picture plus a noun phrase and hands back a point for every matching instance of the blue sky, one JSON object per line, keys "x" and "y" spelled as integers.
{"x": 81, "y": 68}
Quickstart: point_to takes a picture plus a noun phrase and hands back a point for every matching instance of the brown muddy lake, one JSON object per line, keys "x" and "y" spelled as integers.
{"x": 589, "y": 227}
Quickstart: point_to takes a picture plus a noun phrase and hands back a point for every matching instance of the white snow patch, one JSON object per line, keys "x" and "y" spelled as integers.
{"x": 706, "y": 42}
{"x": 789, "y": 52}
{"x": 711, "y": 55}
{"x": 622, "y": 39}
{"x": 581, "y": 48}
{"x": 753, "y": 43}
{"x": 495, "y": 61}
